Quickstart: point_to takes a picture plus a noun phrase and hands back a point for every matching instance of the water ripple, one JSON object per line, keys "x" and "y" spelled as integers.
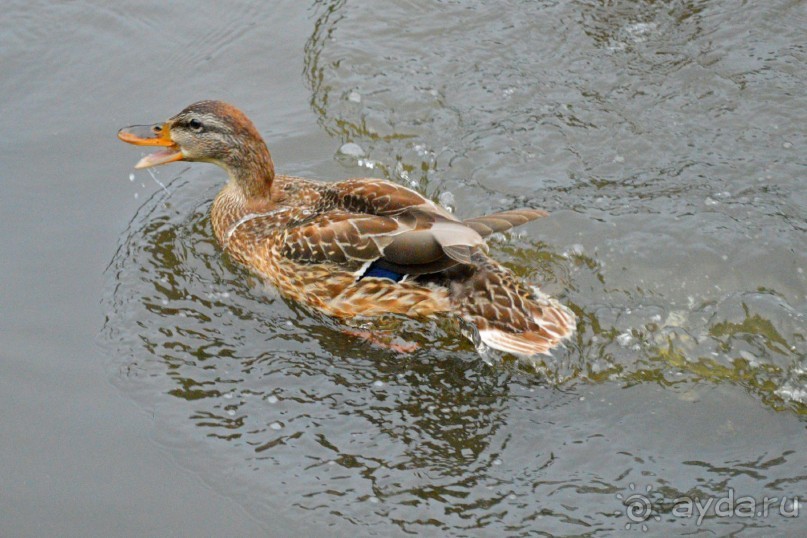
{"x": 676, "y": 237}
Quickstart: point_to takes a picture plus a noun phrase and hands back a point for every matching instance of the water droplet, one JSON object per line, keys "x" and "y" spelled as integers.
{"x": 446, "y": 199}
{"x": 575, "y": 250}
{"x": 640, "y": 31}
{"x": 351, "y": 150}
{"x": 131, "y": 177}
{"x": 366, "y": 163}
{"x": 624, "y": 339}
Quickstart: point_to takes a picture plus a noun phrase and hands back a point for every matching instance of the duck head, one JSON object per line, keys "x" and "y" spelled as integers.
{"x": 214, "y": 132}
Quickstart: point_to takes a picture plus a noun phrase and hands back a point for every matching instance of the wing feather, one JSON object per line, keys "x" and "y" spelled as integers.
{"x": 503, "y": 221}
{"x": 412, "y": 242}
{"x": 373, "y": 220}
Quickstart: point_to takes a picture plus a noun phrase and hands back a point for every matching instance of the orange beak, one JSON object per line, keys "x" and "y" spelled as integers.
{"x": 158, "y": 134}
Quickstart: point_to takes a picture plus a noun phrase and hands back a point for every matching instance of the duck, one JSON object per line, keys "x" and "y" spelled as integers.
{"x": 356, "y": 248}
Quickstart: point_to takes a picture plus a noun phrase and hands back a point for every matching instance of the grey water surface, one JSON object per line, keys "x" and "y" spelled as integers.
{"x": 150, "y": 386}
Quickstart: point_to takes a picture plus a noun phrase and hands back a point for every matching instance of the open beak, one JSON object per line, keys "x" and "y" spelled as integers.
{"x": 158, "y": 134}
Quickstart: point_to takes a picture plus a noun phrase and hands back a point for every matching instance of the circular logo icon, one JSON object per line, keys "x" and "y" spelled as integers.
{"x": 638, "y": 507}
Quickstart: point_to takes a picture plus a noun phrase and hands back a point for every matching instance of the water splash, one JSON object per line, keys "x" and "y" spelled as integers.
{"x": 153, "y": 175}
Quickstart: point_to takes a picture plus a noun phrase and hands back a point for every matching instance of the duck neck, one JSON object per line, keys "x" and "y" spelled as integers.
{"x": 252, "y": 170}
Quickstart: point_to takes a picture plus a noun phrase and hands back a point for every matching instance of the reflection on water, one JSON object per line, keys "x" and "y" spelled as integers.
{"x": 673, "y": 182}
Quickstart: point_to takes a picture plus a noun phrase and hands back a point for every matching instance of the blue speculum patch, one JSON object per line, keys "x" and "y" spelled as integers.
{"x": 379, "y": 272}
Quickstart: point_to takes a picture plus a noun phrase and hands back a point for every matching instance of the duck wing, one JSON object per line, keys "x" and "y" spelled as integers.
{"x": 411, "y": 241}
{"x": 395, "y": 228}
{"x": 381, "y": 197}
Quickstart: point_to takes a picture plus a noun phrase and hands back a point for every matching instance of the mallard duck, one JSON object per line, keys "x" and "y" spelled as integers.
{"x": 359, "y": 247}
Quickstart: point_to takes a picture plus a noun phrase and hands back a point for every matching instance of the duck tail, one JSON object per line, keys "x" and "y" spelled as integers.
{"x": 508, "y": 316}
{"x": 503, "y": 221}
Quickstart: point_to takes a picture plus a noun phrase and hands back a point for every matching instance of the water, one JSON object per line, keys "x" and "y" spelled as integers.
{"x": 665, "y": 138}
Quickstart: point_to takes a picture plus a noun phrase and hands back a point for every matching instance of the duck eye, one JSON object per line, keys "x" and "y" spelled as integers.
{"x": 195, "y": 124}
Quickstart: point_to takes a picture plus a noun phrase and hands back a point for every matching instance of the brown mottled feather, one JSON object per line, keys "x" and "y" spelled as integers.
{"x": 315, "y": 240}
{"x": 508, "y": 316}
{"x": 313, "y": 248}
